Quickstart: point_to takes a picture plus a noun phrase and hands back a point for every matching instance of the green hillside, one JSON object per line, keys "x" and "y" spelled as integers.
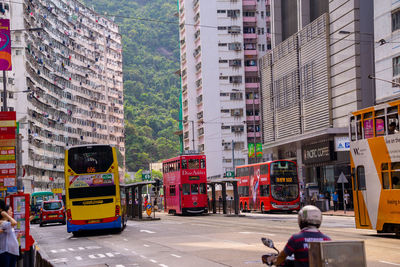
{"x": 151, "y": 89}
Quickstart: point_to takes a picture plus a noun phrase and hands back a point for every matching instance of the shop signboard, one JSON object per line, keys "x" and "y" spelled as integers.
{"x": 318, "y": 152}
{"x": 5, "y": 45}
{"x": 342, "y": 143}
{"x": 251, "y": 150}
{"x": 259, "y": 151}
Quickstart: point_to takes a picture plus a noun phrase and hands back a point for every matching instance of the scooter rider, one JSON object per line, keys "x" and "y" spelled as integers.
{"x": 309, "y": 219}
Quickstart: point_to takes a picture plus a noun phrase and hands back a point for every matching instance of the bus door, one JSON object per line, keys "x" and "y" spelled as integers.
{"x": 361, "y": 195}
{"x": 180, "y": 198}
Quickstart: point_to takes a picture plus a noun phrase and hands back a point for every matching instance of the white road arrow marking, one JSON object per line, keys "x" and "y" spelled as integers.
{"x": 147, "y": 231}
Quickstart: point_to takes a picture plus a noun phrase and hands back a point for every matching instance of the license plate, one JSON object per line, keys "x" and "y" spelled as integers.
{"x": 94, "y": 221}
{"x": 52, "y": 216}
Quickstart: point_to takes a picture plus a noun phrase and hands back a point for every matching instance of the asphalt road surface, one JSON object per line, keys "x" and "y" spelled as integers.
{"x": 212, "y": 240}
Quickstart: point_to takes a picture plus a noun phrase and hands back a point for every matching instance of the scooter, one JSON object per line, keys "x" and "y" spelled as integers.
{"x": 268, "y": 258}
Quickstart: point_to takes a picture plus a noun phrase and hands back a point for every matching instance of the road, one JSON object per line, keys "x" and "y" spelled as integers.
{"x": 213, "y": 240}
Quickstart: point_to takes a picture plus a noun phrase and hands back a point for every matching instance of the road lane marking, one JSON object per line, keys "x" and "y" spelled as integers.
{"x": 97, "y": 256}
{"x": 78, "y": 258}
{"x": 146, "y": 245}
{"x": 93, "y": 247}
{"x": 125, "y": 239}
{"x": 176, "y": 256}
{"x": 257, "y": 233}
{"x": 110, "y": 255}
{"x": 153, "y": 261}
{"x": 142, "y": 256}
{"x": 163, "y": 265}
{"x": 147, "y": 231}
{"x": 387, "y": 262}
{"x": 119, "y": 265}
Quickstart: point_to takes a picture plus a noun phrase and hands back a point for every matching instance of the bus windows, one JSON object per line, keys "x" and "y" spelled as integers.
{"x": 90, "y": 159}
{"x": 361, "y": 178}
{"x": 395, "y": 175}
{"x": 385, "y": 176}
{"x": 368, "y": 125}
{"x": 186, "y": 189}
{"x": 184, "y": 164}
{"x": 353, "y": 128}
{"x": 172, "y": 190}
{"x": 264, "y": 169}
{"x": 202, "y": 163}
{"x": 359, "y": 128}
{"x": 380, "y": 122}
{"x": 193, "y": 164}
{"x": 264, "y": 190}
{"x": 203, "y": 188}
{"x": 194, "y": 189}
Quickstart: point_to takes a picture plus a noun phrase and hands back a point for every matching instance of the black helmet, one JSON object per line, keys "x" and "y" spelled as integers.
{"x": 309, "y": 216}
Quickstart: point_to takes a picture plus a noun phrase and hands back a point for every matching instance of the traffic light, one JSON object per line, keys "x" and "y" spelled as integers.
{"x": 157, "y": 184}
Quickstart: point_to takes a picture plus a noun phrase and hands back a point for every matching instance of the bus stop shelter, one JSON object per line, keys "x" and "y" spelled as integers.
{"x": 133, "y": 209}
{"x": 223, "y": 182}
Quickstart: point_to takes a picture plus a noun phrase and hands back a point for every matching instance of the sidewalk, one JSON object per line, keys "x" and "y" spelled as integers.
{"x": 349, "y": 213}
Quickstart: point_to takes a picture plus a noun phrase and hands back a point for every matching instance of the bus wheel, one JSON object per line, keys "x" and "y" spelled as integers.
{"x": 241, "y": 207}
{"x": 262, "y": 207}
{"x": 245, "y": 206}
{"x": 41, "y": 224}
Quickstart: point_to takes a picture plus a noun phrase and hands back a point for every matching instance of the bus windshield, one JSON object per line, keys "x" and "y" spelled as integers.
{"x": 284, "y": 181}
{"x": 90, "y": 159}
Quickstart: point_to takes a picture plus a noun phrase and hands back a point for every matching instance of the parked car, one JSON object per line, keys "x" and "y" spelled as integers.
{"x": 52, "y": 211}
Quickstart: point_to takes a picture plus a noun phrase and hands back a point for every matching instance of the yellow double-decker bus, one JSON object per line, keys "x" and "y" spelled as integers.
{"x": 92, "y": 191}
{"x": 375, "y": 163}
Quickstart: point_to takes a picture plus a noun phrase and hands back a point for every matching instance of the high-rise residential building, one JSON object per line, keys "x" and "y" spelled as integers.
{"x": 387, "y": 51}
{"x": 65, "y": 84}
{"x": 220, "y": 44}
{"x": 314, "y": 76}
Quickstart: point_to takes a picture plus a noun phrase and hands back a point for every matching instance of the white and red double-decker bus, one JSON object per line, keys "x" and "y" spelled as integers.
{"x": 185, "y": 185}
{"x": 269, "y": 186}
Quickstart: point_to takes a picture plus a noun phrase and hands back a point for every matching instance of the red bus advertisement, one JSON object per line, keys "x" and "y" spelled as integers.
{"x": 185, "y": 185}
{"x": 269, "y": 186}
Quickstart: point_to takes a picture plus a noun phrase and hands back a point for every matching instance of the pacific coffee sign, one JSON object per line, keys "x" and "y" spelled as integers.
{"x": 320, "y": 152}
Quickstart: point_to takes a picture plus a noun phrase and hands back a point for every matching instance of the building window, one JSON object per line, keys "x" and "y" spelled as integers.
{"x": 396, "y": 20}
{"x": 221, "y": 28}
{"x": 223, "y": 61}
{"x": 222, "y": 44}
{"x": 396, "y": 66}
{"x": 221, "y": 11}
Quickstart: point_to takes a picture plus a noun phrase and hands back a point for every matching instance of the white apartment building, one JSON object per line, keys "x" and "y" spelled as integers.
{"x": 65, "y": 86}
{"x": 221, "y": 42}
{"x": 387, "y": 50}
{"x": 314, "y": 76}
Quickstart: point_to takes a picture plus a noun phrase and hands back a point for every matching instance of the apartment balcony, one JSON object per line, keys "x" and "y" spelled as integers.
{"x": 249, "y": 4}
{"x": 249, "y": 35}
{"x": 252, "y": 101}
{"x": 253, "y": 134}
{"x": 252, "y": 52}
{"x": 252, "y": 85}
{"x": 252, "y": 118}
{"x": 250, "y": 68}
{"x": 250, "y": 19}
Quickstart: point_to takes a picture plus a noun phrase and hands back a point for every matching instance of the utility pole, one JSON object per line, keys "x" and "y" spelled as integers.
{"x": 233, "y": 155}
{"x": 193, "y": 134}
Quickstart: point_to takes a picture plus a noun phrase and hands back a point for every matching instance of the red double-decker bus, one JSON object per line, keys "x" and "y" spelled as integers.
{"x": 185, "y": 185}
{"x": 269, "y": 186}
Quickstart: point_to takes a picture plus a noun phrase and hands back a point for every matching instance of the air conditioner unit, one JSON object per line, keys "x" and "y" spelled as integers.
{"x": 226, "y": 147}
{"x": 236, "y": 113}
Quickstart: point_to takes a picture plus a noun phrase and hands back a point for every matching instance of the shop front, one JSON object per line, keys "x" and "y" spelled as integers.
{"x": 323, "y": 164}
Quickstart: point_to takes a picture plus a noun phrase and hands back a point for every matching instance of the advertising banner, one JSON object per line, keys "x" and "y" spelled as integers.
{"x": 259, "y": 152}
{"x": 91, "y": 180}
{"x": 251, "y": 149}
{"x": 5, "y": 45}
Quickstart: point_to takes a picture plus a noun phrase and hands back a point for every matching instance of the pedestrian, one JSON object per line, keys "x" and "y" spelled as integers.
{"x": 9, "y": 247}
{"x": 346, "y": 198}
{"x": 335, "y": 201}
